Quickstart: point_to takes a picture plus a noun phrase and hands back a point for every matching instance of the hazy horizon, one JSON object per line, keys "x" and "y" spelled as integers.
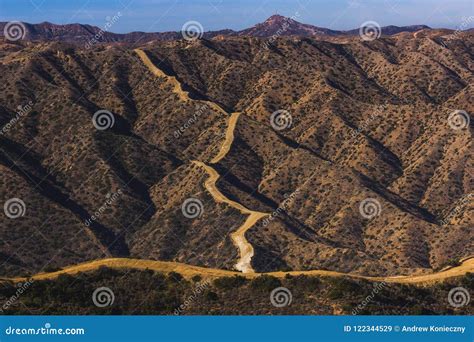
{"x": 170, "y": 15}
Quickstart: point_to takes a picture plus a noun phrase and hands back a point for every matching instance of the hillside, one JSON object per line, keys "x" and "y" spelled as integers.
{"x": 358, "y": 154}
{"x": 132, "y": 292}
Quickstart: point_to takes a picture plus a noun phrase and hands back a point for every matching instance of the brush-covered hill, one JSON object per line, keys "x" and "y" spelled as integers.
{"x": 383, "y": 123}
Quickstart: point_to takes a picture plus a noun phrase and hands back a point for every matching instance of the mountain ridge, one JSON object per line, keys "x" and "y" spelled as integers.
{"x": 369, "y": 122}
{"x": 275, "y": 25}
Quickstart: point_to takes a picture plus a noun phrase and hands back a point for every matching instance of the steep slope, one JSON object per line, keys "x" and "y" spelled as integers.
{"x": 361, "y": 121}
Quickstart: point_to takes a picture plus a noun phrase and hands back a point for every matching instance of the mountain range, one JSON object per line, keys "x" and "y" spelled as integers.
{"x": 275, "y": 25}
{"x": 240, "y": 151}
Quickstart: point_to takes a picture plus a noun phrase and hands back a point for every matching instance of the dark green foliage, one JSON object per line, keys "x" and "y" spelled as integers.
{"x": 468, "y": 281}
{"x": 265, "y": 283}
{"x": 212, "y": 296}
{"x": 147, "y": 292}
{"x": 308, "y": 283}
{"x": 342, "y": 287}
{"x": 229, "y": 283}
{"x": 196, "y": 278}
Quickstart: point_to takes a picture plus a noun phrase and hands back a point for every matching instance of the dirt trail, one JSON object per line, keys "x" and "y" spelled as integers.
{"x": 188, "y": 271}
{"x": 238, "y": 237}
{"x": 177, "y": 86}
{"x": 467, "y": 265}
{"x": 229, "y": 138}
{"x": 177, "y": 89}
{"x": 245, "y": 247}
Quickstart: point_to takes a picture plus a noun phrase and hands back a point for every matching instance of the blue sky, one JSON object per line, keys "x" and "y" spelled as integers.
{"x": 170, "y": 15}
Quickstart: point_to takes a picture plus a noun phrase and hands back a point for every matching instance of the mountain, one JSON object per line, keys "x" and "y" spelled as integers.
{"x": 229, "y": 153}
{"x": 283, "y": 26}
{"x": 80, "y": 33}
{"x": 391, "y": 29}
{"x": 276, "y": 25}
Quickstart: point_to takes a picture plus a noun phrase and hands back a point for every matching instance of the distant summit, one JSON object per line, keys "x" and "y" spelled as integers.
{"x": 285, "y": 26}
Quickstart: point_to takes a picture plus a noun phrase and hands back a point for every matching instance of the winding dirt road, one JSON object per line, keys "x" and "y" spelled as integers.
{"x": 188, "y": 271}
{"x": 177, "y": 89}
{"x": 229, "y": 138}
{"x": 238, "y": 237}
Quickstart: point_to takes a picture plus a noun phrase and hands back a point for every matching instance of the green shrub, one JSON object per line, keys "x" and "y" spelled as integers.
{"x": 211, "y": 296}
{"x": 341, "y": 287}
{"x": 265, "y": 283}
{"x": 228, "y": 283}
